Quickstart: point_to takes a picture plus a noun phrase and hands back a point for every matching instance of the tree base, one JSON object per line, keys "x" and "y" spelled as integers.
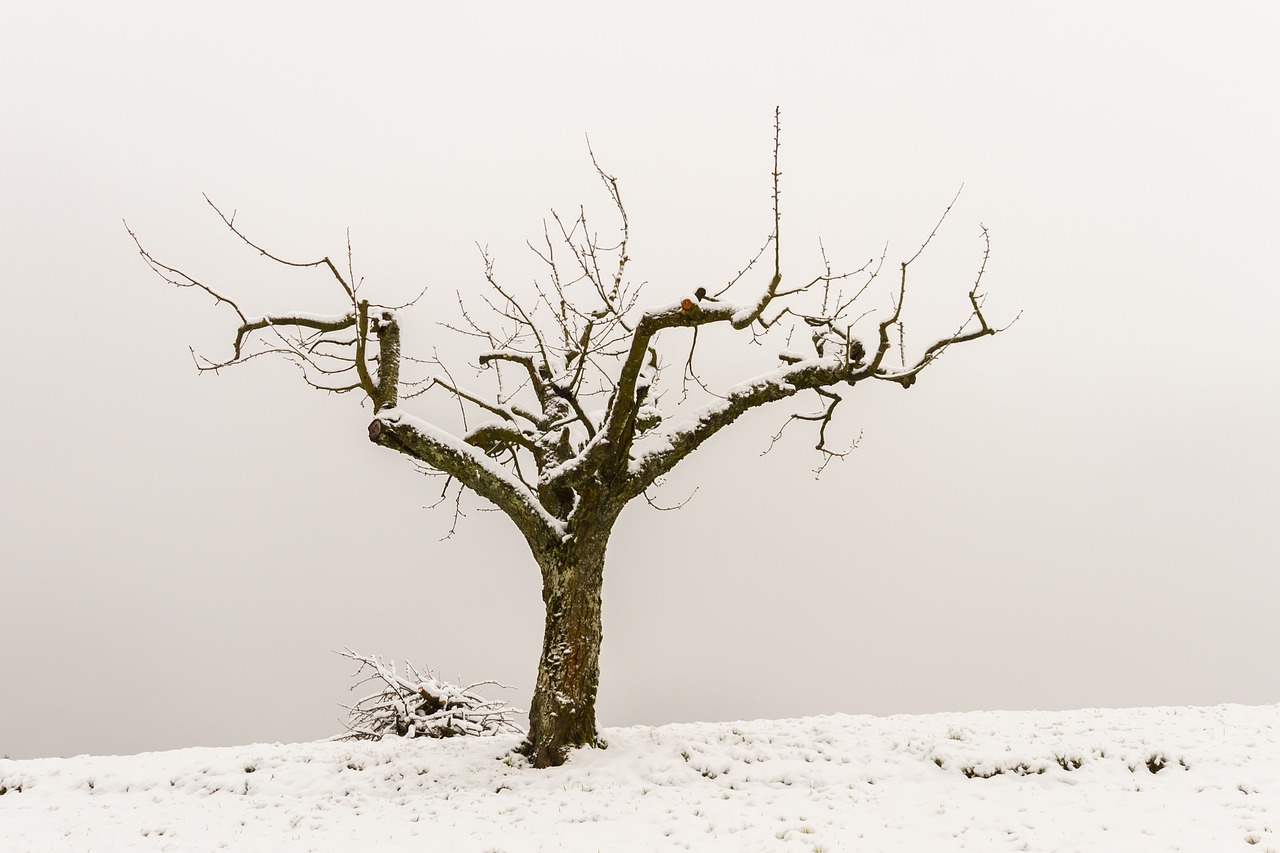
{"x": 550, "y": 756}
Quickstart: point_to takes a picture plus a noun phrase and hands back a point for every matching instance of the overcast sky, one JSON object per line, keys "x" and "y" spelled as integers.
{"x": 1077, "y": 513}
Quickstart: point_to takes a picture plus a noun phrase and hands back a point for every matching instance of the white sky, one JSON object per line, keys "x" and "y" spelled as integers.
{"x": 1076, "y": 513}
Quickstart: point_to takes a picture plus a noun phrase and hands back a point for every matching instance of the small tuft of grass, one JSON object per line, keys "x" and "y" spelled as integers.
{"x": 972, "y": 772}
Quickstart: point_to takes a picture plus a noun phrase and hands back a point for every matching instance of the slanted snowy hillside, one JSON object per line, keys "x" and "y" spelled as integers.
{"x": 1189, "y": 779}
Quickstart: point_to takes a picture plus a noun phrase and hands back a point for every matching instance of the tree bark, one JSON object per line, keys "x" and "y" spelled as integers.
{"x": 562, "y": 712}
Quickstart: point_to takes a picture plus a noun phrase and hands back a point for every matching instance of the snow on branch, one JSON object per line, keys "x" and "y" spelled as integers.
{"x": 418, "y": 703}
{"x": 470, "y": 466}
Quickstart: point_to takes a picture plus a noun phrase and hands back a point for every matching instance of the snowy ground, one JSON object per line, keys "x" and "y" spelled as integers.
{"x": 1192, "y": 779}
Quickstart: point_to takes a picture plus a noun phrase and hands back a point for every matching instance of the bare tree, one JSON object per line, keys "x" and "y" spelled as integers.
{"x": 574, "y": 427}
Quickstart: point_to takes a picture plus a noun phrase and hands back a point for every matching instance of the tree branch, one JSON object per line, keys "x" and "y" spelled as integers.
{"x": 325, "y": 262}
{"x": 539, "y": 388}
{"x": 420, "y": 440}
{"x": 667, "y": 448}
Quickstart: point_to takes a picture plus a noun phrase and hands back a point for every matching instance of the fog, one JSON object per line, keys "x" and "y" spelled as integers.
{"x": 1075, "y": 513}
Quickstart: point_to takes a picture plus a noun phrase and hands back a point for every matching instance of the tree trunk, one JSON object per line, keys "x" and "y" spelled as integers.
{"x": 562, "y": 714}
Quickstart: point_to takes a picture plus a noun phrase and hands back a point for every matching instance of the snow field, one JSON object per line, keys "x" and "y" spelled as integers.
{"x": 1167, "y": 779}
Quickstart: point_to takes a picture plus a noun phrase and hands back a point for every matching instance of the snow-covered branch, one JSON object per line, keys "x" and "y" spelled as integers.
{"x": 469, "y": 465}
{"x": 663, "y": 449}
